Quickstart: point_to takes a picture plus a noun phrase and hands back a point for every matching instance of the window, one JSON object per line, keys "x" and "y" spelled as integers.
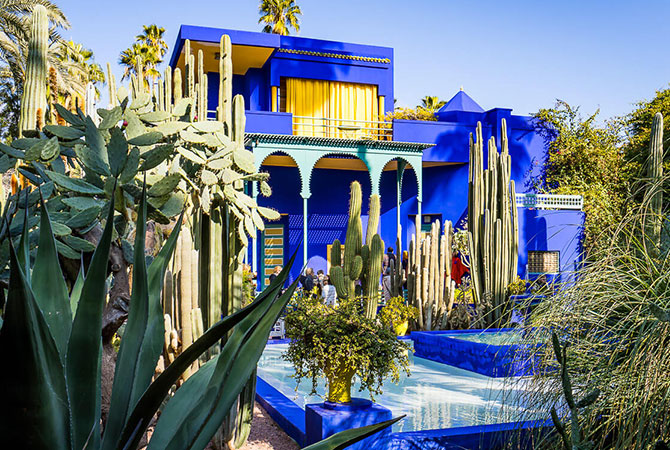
{"x": 543, "y": 262}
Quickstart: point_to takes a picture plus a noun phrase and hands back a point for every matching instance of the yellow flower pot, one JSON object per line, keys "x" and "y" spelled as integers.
{"x": 339, "y": 386}
{"x": 401, "y": 328}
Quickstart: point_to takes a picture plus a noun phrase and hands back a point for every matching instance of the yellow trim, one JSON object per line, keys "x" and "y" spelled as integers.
{"x": 273, "y": 94}
{"x": 336, "y": 55}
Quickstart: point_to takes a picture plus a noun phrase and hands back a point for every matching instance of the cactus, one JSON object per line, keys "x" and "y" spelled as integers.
{"x": 576, "y": 438}
{"x": 111, "y": 84}
{"x": 34, "y": 98}
{"x": 655, "y": 189}
{"x": 429, "y": 285}
{"x": 492, "y": 217}
{"x": 361, "y": 263}
{"x": 225, "y": 80}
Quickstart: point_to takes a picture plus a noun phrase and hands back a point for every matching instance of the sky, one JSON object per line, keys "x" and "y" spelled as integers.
{"x": 519, "y": 54}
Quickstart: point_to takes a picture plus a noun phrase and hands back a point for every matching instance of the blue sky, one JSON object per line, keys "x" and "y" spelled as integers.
{"x": 517, "y": 54}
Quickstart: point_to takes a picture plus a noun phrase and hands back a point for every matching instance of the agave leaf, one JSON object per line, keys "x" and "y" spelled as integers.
{"x": 23, "y": 255}
{"x": 198, "y": 421}
{"x": 68, "y": 116}
{"x": 110, "y": 119}
{"x": 33, "y": 392}
{"x": 154, "y": 395}
{"x": 63, "y": 132}
{"x": 85, "y": 346}
{"x": 117, "y": 151}
{"x": 75, "y": 295}
{"x": 143, "y": 337}
{"x": 49, "y": 286}
{"x": 131, "y": 166}
{"x": 150, "y": 138}
{"x": 73, "y": 184}
{"x": 344, "y": 439}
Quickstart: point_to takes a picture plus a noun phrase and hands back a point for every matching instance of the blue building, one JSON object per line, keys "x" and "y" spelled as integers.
{"x": 316, "y": 121}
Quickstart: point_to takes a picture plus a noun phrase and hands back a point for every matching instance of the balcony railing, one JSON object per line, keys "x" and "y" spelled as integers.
{"x": 550, "y": 201}
{"x": 342, "y": 128}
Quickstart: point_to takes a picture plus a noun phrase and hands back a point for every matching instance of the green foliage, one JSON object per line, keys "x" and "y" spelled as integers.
{"x": 397, "y": 311}
{"x": 584, "y": 158}
{"x": 517, "y": 287}
{"x": 279, "y": 16}
{"x": 55, "y": 359}
{"x": 324, "y": 338}
{"x": 431, "y": 103}
{"x": 419, "y": 113}
{"x": 150, "y": 47}
{"x": 615, "y": 321}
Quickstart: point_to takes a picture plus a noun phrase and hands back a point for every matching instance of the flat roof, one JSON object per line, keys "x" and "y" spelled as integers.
{"x": 334, "y": 142}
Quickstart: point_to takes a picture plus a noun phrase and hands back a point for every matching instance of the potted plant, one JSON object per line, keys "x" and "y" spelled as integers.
{"x": 338, "y": 343}
{"x": 397, "y": 315}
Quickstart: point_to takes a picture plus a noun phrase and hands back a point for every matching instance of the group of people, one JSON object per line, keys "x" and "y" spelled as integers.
{"x": 309, "y": 282}
{"x": 320, "y": 282}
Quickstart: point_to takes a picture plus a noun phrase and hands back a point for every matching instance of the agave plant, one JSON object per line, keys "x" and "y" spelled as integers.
{"x": 51, "y": 347}
{"x": 51, "y": 342}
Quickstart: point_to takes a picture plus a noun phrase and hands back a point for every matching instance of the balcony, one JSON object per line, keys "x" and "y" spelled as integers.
{"x": 378, "y": 130}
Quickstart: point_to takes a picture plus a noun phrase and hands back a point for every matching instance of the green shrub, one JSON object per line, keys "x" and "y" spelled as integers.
{"x": 323, "y": 336}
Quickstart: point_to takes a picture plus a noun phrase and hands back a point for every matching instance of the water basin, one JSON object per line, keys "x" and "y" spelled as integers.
{"x": 435, "y": 396}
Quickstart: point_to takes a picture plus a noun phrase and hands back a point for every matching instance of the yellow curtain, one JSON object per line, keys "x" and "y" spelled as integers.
{"x": 332, "y": 109}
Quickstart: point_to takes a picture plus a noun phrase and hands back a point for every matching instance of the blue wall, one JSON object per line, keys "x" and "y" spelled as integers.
{"x": 255, "y": 84}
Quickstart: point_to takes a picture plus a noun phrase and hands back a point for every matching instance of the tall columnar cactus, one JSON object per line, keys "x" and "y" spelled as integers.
{"x": 655, "y": 187}
{"x": 111, "y": 83}
{"x": 34, "y": 98}
{"x": 492, "y": 218}
{"x": 429, "y": 285}
{"x": 362, "y": 263}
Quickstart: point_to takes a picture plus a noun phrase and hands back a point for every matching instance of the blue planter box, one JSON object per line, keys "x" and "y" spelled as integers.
{"x": 486, "y": 359}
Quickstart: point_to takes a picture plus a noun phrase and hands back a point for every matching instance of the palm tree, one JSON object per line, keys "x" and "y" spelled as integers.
{"x": 152, "y": 35}
{"x": 148, "y": 55}
{"x": 79, "y": 64}
{"x": 150, "y": 47}
{"x": 431, "y": 103}
{"x": 15, "y": 24}
{"x": 15, "y": 27}
{"x": 279, "y": 15}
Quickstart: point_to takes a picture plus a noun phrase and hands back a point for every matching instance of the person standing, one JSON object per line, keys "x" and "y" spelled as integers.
{"x": 274, "y": 273}
{"x": 307, "y": 280}
{"x": 329, "y": 292}
{"x": 386, "y": 285}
